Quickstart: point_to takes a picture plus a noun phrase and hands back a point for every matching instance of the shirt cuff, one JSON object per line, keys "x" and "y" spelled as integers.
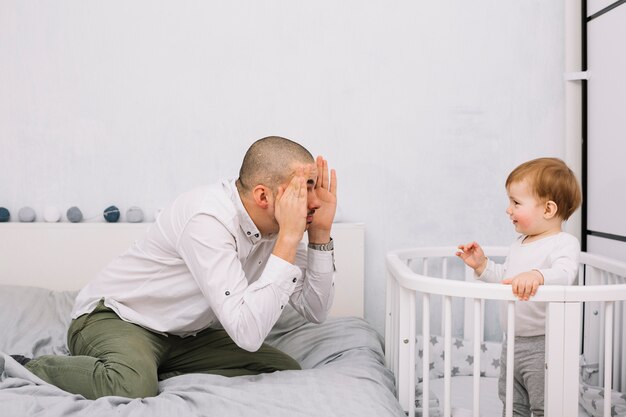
{"x": 488, "y": 274}
{"x": 320, "y": 261}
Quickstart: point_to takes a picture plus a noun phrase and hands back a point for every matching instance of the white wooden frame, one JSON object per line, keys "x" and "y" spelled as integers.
{"x": 65, "y": 256}
{"x": 563, "y": 326}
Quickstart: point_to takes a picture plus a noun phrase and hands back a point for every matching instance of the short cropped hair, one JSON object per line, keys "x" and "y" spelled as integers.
{"x": 550, "y": 179}
{"x": 269, "y": 161}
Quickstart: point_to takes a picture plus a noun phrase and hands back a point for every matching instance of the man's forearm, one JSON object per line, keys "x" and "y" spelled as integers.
{"x": 319, "y": 236}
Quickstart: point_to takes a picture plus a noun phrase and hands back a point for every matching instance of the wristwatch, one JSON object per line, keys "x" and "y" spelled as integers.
{"x": 323, "y": 246}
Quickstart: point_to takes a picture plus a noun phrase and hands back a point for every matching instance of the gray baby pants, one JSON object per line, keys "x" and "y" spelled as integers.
{"x": 528, "y": 376}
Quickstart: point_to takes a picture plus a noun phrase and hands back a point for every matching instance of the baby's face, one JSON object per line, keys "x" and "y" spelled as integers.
{"x": 525, "y": 210}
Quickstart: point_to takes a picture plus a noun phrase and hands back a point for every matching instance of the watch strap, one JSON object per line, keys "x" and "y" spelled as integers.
{"x": 323, "y": 246}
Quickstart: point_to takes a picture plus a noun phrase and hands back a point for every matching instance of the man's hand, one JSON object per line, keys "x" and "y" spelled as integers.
{"x": 326, "y": 191}
{"x": 290, "y": 211}
{"x": 525, "y": 285}
{"x": 473, "y": 256}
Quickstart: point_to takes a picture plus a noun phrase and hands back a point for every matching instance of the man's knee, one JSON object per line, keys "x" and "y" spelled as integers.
{"x": 123, "y": 381}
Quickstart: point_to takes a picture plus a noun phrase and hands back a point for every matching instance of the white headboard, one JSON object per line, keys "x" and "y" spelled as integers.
{"x": 65, "y": 256}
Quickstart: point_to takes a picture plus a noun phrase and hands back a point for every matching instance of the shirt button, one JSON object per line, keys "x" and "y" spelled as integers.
{"x": 256, "y": 235}
{"x": 281, "y": 307}
{"x": 227, "y": 293}
{"x": 294, "y": 280}
{"x": 259, "y": 262}
{"x": 249, "y": 233}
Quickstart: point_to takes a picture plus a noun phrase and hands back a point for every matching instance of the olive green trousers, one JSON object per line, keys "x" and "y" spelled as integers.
{"x": 110, "y": 356}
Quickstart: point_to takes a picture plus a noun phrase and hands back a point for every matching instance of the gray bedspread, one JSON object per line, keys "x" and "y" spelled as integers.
{"x": 343, "y": 371}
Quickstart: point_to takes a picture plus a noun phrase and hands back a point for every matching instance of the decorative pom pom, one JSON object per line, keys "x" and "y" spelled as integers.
{"x": 51, "y": 214}
{"x": 111, "y": 214}
{"x": 74, "y": 214}
{"x": 134, "y": 215}
{"x": 4, "y": 215}
{"x": 27, "y": 214}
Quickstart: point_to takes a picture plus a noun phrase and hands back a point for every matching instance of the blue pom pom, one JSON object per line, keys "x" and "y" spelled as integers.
{"x": 111, "y": 214}
{"x": 4, "y": 215}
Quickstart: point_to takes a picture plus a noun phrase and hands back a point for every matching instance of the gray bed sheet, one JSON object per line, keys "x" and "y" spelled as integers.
{"x": 342, "y": 359}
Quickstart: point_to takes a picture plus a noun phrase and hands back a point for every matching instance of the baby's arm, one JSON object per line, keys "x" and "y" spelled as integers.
{"x": 484, "y": 269}
{"x": 525, "y": 285}
{"x": 564, "y": 263}
{"x": 563, "y": 270}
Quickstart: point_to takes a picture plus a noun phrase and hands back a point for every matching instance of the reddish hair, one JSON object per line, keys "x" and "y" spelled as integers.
{"x": 550, "y": 179}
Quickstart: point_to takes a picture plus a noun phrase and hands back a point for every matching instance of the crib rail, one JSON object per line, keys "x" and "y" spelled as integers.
{"x": 408, "y": 275}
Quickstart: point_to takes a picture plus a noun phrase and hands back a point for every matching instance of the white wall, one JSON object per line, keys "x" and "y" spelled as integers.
{"x": 422, "y": 107}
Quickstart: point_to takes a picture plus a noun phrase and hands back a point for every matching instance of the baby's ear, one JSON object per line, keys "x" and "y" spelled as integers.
{"x": 550, "y": 210}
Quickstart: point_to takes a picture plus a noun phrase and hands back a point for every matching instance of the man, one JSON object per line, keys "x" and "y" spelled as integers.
{"x": 203, "y": 288}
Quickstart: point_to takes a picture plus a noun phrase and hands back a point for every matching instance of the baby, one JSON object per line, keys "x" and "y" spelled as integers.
{"x": 543, "y": 193}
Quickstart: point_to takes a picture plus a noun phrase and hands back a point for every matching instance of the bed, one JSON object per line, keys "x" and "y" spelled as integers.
{"x": 44, "y": 265}
{"x": 445, "y": 366}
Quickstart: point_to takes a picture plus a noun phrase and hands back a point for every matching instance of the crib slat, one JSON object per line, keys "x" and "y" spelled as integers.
{"x": 469, "y": 274}
{"x": 412, "y": 358}
{"x": 595, "y": 276}
{"x": 562, "y": 360}
{"x": 617, "y": 340}
{"x": 389, "y": 319}
{"x": 426, "y": 354}
{"x": 396, "y": 329}
{"x": 618, "y": 314}
{"x": 482, "y": 320}
{"x": 571, "y": 357}
{"x": 608, "y": 356}
{"x": 477, "y": 343}
{"x": 510, "y": 351}
{"x": 468, "y": 306}
{"x": 620, "y": 382}
{"x": 447, "y": 362}
{"x": 406, "y": 354}
{"x": 391, "y": 331}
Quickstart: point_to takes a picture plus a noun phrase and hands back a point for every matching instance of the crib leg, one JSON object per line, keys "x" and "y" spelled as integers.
{"x": 406, "y": 354}
{"x": 562, "y": 353}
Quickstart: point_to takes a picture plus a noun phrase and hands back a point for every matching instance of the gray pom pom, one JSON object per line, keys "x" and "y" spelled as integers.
{"x": 74, "y": 214}
{"x": 27, "y": 214}
{"x": 134, "y": 215}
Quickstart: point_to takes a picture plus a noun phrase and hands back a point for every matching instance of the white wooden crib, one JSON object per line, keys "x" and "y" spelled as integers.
{"x": 587, "y": 318}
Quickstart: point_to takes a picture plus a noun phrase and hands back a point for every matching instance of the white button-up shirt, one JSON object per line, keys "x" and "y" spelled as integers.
{"x": 204, "y": 263}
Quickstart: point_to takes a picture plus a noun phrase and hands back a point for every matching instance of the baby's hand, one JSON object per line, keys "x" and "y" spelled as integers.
{"x": 473, "y": 256}
{"x": 525, "y": 285}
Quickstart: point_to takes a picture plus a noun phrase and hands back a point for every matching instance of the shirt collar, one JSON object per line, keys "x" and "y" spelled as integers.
{"x": 245, "y": 221}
